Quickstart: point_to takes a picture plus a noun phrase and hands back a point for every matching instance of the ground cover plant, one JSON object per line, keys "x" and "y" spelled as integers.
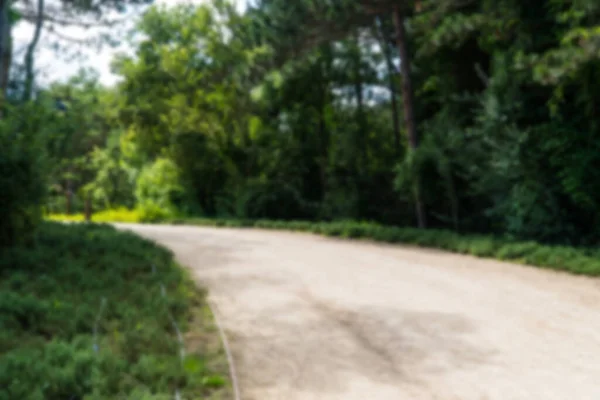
{"x": 577, "y": 260}
{"x": 82, "y": 316}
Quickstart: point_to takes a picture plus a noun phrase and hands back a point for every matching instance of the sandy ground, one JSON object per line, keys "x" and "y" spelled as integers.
{"x": 315, "y": 318}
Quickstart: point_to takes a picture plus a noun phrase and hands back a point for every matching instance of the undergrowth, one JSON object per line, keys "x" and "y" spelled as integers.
{"x": 116, "y": 215}
{"x": 574, "y": 260}
{"x": 584, "y": 261}
{"x": 141, "y": 214}
{"x": 51, "y": 291}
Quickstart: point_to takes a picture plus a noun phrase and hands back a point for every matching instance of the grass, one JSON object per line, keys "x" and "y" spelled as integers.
{"x": 583, "y": 261}
{"x": 116, "y": 215}
{"x": 51, "y": 293}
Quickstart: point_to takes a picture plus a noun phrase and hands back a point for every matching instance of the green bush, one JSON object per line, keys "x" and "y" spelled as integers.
{"x": 152, "y": 212}
{"x": 575, "y": 260}
{"x": 159, "y": 191}
{"x": 22, "y": 183}
{"x": 51, "y": 293}
{"x": 116, "y": 215}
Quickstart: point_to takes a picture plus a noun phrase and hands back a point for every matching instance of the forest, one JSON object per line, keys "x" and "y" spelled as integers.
{"x": 467, "y": 125}
{"x": 471, "y": 115}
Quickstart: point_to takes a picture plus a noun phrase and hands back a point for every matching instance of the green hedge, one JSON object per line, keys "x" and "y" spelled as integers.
{"x": 51, "y": 293}
{"x": 575, "y": 260}
{"x": 584, "y": 261}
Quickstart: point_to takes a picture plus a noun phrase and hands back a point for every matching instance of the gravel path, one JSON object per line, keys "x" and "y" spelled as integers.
{"x": 315, "y": 318}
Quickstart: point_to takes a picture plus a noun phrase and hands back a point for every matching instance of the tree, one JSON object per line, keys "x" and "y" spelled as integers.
{"x": 27, "y": 92}
{"x": 84, "y": 14}
{"x": 289, "y": 112}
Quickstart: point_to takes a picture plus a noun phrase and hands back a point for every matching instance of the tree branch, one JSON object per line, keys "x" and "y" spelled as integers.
{"x": 71, "y": 39}
{"x": 30, "y": 50}
{"x": 32, "y": 17}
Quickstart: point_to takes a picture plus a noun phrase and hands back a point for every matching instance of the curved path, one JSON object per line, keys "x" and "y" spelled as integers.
{"x": 311, "y": 318}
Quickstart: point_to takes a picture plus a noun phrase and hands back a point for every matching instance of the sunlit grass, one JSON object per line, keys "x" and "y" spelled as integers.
{"x": 105, "y": 216}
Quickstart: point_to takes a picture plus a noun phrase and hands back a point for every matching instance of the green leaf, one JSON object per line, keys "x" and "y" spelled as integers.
{"x": 213, "y": 381}
{"x": 14, "y": 16}
{"x": 193, "y": 365}
{"x": 258, "y": 93}
{"x": 254, "y": 127}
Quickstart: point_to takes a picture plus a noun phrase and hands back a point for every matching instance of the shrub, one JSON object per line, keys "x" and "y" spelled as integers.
{"x": 117, "y": 215}
{"x": 576, "y": 260}
{"x": 152, "y": 212}
{"x": 50, "y": 299}
{"x": 159, "y": 189}
{"x": 22, "y": 181}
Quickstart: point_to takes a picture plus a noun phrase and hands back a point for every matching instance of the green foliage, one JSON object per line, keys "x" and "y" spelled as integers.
{"x": 578, "y": 48}
{"x": 575, "y": 260}
{"x": 22, "y": 171}
{"x": 150, "y": 212}
{"x": 286, "y": 112}
{"x": 84, "y": 147}
{"x": 159, "y": 188}
{"x": 112, "y": 215}
{"x": 112, "y": 184}
{"x": 50, "y": 304}
{"x": 266, "y": 199}
{"x": 452, "y": 31}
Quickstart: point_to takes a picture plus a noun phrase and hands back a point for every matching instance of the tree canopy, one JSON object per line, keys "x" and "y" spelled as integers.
{"x": 473, "y": 115}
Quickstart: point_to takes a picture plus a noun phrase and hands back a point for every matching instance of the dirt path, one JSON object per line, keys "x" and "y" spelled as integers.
{"x": 315, "y": 318}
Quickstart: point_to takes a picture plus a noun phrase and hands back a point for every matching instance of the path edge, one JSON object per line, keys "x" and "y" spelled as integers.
{"x": 232, "y": 371}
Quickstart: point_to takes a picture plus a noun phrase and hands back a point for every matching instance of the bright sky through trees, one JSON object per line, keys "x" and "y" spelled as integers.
{"x": 52, "y": 66}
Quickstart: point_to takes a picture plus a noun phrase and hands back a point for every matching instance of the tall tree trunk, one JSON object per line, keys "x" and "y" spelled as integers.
{"x": 5, "y": 49}
{"x": 394, "y": 104}
{"x": 29, "y": 55}
{"x": 391, "y": 85}
{"x": 69, "y": 197}
{"x": 453, "y": 198}
{"x": 323, "y": 157}
{"x": 88, "y": 207}
{"x": 359, "y": 92}
{"x": 408, "y": 99}
{"x": 324, "y": 136}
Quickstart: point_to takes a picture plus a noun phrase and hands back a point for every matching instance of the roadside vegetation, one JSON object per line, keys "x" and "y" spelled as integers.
{"x": 304, "y": 115}
{"x": 584, "y": 261}
{"x": 82, "y": 317}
